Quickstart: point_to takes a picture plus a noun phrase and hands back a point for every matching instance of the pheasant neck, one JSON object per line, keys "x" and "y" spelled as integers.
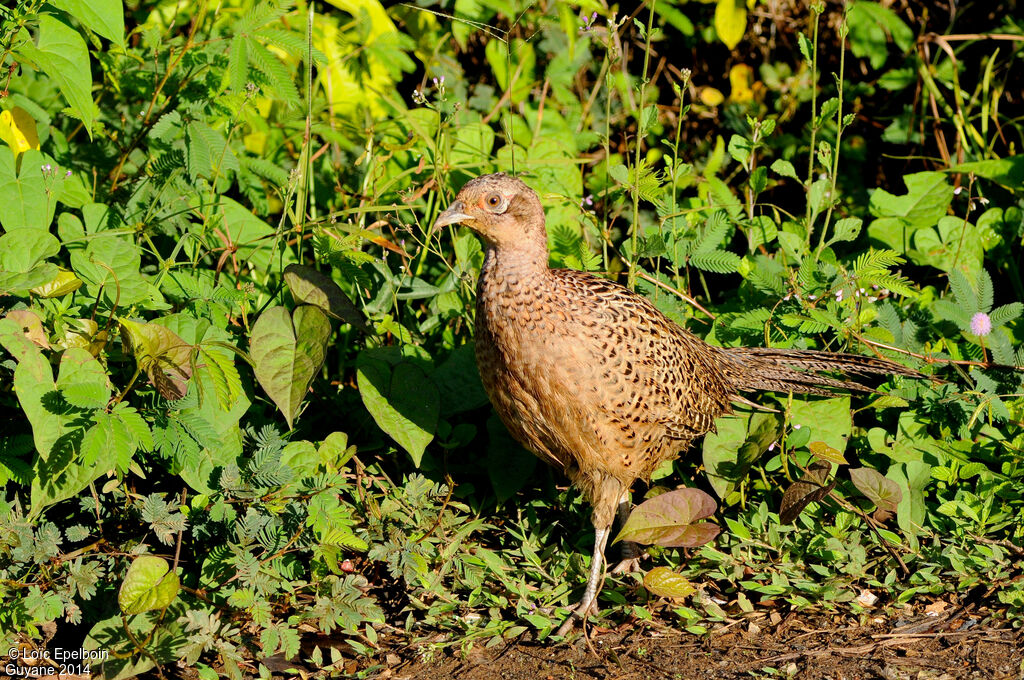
{"x": 525, "y": 265}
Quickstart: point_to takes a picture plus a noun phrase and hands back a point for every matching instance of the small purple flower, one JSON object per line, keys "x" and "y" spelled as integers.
{"x": 981, "y": 324}
{"x": 588, "y": 22}
{"x": 797, "y": 426}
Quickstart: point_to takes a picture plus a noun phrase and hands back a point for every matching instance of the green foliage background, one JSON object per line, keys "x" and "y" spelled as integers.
{"x": 232, "y": 344}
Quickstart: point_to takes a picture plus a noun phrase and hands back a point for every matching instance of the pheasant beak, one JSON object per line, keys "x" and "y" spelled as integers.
{"x": 453, "y": 215}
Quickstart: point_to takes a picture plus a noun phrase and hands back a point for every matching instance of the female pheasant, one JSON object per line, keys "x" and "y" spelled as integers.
{"x": 590, "y": 376}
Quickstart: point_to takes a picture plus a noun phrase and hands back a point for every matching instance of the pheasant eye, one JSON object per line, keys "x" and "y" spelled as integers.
{"x": 494, "y": 200}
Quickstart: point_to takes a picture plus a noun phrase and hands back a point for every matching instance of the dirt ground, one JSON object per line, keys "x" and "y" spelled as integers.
{"x": 925, "y": 647}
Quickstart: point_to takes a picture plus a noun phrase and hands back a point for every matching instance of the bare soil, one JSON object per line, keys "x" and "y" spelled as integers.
{"x": 927, "y": 647}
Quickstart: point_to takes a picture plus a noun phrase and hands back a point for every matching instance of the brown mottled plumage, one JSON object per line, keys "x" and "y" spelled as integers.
{"x": 591, "y": 376}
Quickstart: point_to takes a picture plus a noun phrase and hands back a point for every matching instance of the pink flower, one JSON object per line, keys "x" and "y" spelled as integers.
{"x": 981, "y": 325}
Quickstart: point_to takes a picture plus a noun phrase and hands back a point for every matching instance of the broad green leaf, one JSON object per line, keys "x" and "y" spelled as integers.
{"x": 664, "y": 582}
{"x": 928, "y": 197}
{"x": 288, "y": 351}
{"x": 62, "y": 54}
{"x": 335, "y": 451}
{"x": 871, "y": 24}
{"x": 951, "y": 243}
{"x": 720, "y": 450}
{"x": 111, "y": 262}
{"x": 813, "y": 486}
{"x": 668, "y": 520}
{"x": 1007, "y": 171}
{"x": 149, "y": 584}
{"x": 23, "y": 195}
{"x": 458, "y": 382}
{"x": 62, "y": 475}
{"x": 784, "y": 168}
{"x": 82, "y": 380}
{"x": 912, "y": 477}
{"x": 518, "y": 65}
{"x": 22, "y": 255}
{"x": 883, "y": 492}
{"x": 105, "y": 17}
{"x": 828, "y": 420}
{"x": 311, "y": 287}
{"x": 472, "y": 146}
{"x": 730, "y": 21}
{"x": 402, "y": 400}
{"x": 35, "y": 389}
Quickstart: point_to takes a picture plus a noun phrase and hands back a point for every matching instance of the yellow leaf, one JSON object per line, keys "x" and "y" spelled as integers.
{"x": 344, "y": 87}
{"x": 709, "y": 96}
{"x": 730, "y": 21}
{"x": 740, "y": 77}
{"x": 18, "y": 129}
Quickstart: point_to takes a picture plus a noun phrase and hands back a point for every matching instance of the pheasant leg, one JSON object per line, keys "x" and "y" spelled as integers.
{"x": 593, "y": 582}
{"x": 629, "y": 552}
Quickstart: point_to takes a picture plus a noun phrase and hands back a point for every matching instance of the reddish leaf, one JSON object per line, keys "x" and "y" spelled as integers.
{"x": 667, "y": 520}
{"x": 811, "y": 487}
{"x": 880, "y": 490}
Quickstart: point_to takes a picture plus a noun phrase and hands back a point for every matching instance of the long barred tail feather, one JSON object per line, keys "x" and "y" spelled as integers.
{"x": 798, "y": 370}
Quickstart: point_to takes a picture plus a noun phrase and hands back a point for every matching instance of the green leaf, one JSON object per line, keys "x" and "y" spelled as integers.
{"x": 403, "y": 401}
{"x": 105, "y": 17}
{"x": 108, "y": 444}
{"x": 870, "y": 25}
{"x": 928, "y": 197}
{"x": 718, "y": 261}
{"x": 308, "y": 286}
{"x": 288, "y": 351}
{"x": 82, "y": 380}
{"x": 846, "y": 229}
{"x": 784, "y": 168}
{"x": 22, "y": 255}
{"x": 23, "y": 195}
{"x": 668, "y": 520}
{"x": 664, "y": 582}
{"x": 207, "y": 152}
{"x": 62, "y": 54}
{"x": 828, "y": 420}
{"x": 35, "y": 389}
{"x": 149, "y": 584}
{"x": 458, "y": 382}
{"x": 1007, "y": 171}
{"x": 912, "y": 477}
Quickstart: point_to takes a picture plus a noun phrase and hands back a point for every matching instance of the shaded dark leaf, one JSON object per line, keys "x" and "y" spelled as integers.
{"x": 812, "y": 487}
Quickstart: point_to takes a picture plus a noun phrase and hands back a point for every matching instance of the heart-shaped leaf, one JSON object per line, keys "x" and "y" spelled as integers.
{"x": 310, "y": 287}
{"x": 880, "y": 490}
{"x": 667, "y": 520}
{"x": 288, "y": 351}
{"x": 149, "y": 584}
{"x": 812, "y": 487}
{"x": 402, "y": 400}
